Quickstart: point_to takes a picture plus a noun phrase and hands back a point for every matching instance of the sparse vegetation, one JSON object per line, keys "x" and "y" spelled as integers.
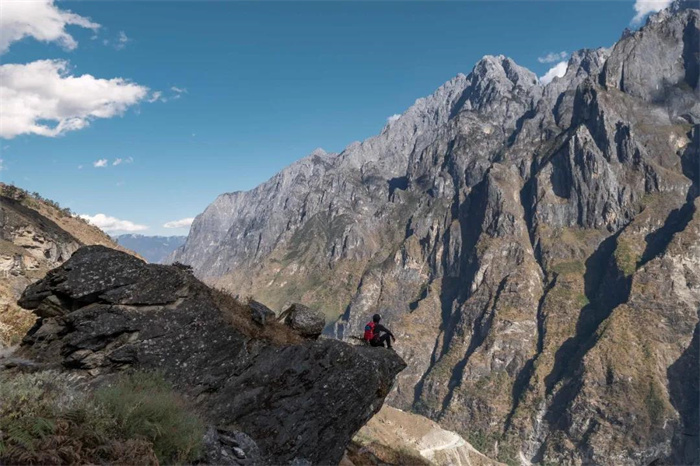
{"x": 32, "y": 200}
{"x": 239, "y": 315}
{"x": 46, "y": 419}
{"x": 627, "y": 260}
{"x": 569, "y": 268}
{"x": 14, "y": 324}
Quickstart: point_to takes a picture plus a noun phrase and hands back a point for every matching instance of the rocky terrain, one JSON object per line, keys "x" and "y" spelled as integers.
{"x": 36, "y": 235}
{"x": 152, "y": 248}
{"x": 274, "y": 391}
{"x": 536, "y": 249}
{"x": 418, "y": 440}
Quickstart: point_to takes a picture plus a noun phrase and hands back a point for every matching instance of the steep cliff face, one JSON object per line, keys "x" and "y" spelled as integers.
{"x": 301, "y": 400}
{"x": 535, "y": 247}
{"x": 35, "y": 236}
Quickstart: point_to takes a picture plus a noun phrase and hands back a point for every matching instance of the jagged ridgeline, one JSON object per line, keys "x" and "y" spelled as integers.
{"x": 537, "y": 249}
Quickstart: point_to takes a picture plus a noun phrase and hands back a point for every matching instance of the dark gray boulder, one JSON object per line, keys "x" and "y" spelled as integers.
{"x": 300, "y": 401}
{"x": 260, "y": 313}
{"x": 308, "y": 322}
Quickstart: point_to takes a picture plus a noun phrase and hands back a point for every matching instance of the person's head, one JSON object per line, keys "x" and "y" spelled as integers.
{"x": 376, "y": 318}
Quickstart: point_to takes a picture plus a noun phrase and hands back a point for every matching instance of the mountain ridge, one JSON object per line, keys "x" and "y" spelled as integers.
{"x": 518, "y": 238}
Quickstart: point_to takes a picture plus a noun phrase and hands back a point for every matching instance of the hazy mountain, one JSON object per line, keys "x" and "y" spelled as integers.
{"x": 152, "y": 248}
{"x": 535, "y": 247}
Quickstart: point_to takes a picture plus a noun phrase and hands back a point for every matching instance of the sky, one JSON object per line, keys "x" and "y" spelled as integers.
{"x": 137, "y": 114}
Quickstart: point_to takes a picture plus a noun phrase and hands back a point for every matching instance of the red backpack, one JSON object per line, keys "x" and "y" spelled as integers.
{"x": 369, "y": 331}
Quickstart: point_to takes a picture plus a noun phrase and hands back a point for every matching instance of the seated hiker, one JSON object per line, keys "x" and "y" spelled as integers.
{"x": 377, "y": 334}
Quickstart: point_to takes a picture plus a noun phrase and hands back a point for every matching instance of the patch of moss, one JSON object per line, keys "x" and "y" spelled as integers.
{"x": 569, "y": 268}
{"x": 625, "y": 258}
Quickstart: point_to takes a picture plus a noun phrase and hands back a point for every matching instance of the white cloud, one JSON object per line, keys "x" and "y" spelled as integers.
{"x": 156, "y": 95}
{"x": 122, "y": 40}
{"x": 80, "y": 167}
{"x": 2, "y": 166}
{"x": 117, "y": 161}
{"x": 557, "y": 71}
{"x": 179, "y": 90}
{"x": 110, "y": 224}
{"x": 552, "y": 57}
{"x": 644, "y": 7}
{"x": 183, "y": 223}
{"x": 100, "y": 163}
{"x": 40, "y": 19}
{"x": 393, "y": 118}
{"x": 45, "y": 91}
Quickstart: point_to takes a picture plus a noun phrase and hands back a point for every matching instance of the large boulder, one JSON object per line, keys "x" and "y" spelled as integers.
{"x": 308, "y": 322}
{"x": 298, "y": 401}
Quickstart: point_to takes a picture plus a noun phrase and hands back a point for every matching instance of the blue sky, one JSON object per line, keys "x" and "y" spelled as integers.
{"x": 240, "y": 90}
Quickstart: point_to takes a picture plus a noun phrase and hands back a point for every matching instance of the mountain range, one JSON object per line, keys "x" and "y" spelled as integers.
{"x": 152, "y": 248}
{"x": 535, "y": 248}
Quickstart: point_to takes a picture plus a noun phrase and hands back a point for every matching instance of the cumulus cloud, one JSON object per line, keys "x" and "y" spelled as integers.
{"x": 39, "y": 19}
{"x": 45, "y": 91}
{"x": 110, "y": 224}
{"x": 393, "y": 118}
{"x": 183, "y": 223}
{"x": 557, "y": 71}
{"x": 644, "y": 7}
{"x": 552, "y": 57}
{"x": 101, "y": 163}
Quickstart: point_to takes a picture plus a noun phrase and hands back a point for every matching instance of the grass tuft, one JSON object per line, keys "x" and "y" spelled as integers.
{"x": 138, "y": 419}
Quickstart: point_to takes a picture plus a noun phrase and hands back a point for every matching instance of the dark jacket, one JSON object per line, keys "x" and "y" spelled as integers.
{"x": 379, "y": 328}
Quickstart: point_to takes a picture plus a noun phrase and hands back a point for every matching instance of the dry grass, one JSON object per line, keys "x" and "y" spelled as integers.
{"x": 239, "y": 316}
{"x": 46, "y": 419}
{"x": 14, "y": 323}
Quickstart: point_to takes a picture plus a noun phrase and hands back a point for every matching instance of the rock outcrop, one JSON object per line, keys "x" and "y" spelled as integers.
{"x": 534, "y": 247}
{"x": 36, "y": 235}
{"x": 300, "y": 400}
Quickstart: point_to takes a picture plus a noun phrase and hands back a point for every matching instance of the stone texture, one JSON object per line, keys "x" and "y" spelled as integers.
{"x": 308, "y": 322}
{"x": 299, "y": 402}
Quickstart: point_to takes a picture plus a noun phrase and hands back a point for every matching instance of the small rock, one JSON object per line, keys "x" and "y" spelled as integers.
{"x": 260, "y": 312}
{"x": 308, "y": 322}
{"x": 240, "y": 454}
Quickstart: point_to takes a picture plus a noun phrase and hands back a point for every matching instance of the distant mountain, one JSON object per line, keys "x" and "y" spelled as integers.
{"x": 536, "y": 249}
{"x": 152, "y": 248}
{"x": 36, "y": 235}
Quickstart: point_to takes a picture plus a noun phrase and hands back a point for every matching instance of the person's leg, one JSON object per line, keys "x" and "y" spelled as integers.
{"x": 375, "y": 342}
{"x": 386, "y": 339}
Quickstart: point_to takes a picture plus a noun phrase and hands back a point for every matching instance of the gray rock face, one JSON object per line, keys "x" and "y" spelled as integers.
{"x": 308, "y": 322}
{"x": 518, "y": 239}
{"x": 296, "y": 401}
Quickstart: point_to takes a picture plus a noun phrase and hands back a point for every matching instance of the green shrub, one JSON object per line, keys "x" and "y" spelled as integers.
{"x": 144, "y": 405}
{"x": 138, "y": 419}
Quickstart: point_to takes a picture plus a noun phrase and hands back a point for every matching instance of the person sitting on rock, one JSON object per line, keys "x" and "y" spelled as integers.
{"x": 376, "y": 334}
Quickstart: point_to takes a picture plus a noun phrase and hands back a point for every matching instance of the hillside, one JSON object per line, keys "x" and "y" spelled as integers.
{"x": 535, "y": 247}
{"x": 152, "y": 248}
{"x": 36, "y": 235}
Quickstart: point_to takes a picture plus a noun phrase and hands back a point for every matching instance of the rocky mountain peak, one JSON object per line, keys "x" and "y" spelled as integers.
{"x": 518, "y": 237}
